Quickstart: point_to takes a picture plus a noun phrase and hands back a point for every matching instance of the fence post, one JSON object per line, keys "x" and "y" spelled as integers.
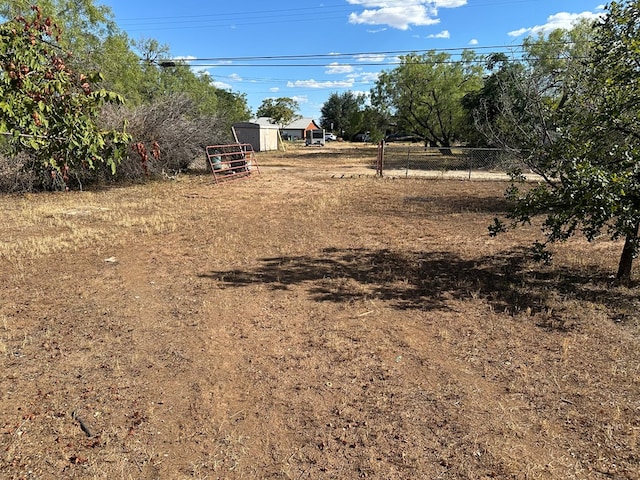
{"x": 380, "y": 159}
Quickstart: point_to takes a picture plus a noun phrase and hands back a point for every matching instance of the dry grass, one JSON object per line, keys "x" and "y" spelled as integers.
{"x": 310, "y": 322}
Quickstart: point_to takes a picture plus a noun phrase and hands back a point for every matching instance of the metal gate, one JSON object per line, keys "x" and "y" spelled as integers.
{"x": 232, "y": 161}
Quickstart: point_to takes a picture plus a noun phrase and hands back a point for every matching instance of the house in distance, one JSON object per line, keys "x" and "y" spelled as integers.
{"x": 299, "y": 129}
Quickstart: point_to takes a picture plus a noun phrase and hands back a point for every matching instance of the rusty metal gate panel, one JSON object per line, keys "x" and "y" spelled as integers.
{"x": 231, "y": 162}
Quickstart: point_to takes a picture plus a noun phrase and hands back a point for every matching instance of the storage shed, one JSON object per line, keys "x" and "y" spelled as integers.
{"x": 262, "y": 136}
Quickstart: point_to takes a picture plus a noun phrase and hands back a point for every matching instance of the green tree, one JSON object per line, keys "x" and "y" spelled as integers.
{"x": 47, "y": 110}
{"x": 281, "y": 110}
{"x": 487, "y": 125}
{"x": 590, "y": 162}
{"x": 343, "y": 113}
{"x": 120, "y": 67}
{"x": 91, "y": 33}
{"x": 173, "y": 77}
{"x": 517, "y": 106}
{"x": 424, "y": 94}
{"x": 140, "y": 70}
{"x": 85, "y": 24}
{"x": 233, "y": 106}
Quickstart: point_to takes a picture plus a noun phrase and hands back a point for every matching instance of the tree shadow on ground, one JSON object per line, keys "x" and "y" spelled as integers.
{"x": 425, "y": 280}
{"x": 457, "y": 204}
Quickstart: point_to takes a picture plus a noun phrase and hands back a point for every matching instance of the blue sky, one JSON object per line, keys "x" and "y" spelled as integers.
{"x": 308, "y": 49}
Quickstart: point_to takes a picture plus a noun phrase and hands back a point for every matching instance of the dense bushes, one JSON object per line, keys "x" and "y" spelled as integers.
{"x": 168, "y": 135}
{"x": 63, "y": 123}
{"x": 174, "y": 126}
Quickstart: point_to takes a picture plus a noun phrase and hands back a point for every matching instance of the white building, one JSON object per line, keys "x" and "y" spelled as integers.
{"x": 260, "y": 133}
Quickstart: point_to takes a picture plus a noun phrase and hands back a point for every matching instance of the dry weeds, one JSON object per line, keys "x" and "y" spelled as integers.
{"x": 310, "y": 322}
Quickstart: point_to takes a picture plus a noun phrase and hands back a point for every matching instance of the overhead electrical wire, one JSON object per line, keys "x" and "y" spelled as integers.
{"x": 357, "y": 59}
{"x": 355, "y": 54}
{"x": 340, "y": 10}
{"x": 261, "y": 17}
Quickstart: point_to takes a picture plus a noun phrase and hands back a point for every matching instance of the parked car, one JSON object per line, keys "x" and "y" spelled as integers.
{"x": 330, "y": 137}
{"x": 402, "y": 137}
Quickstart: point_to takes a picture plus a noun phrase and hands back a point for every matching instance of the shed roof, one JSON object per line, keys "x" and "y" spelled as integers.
{"x": 268, "y": 121}
{"x": 257, "y": 123}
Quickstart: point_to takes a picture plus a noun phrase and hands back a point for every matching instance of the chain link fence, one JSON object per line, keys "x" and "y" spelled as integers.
{"x": 412, "y": 160}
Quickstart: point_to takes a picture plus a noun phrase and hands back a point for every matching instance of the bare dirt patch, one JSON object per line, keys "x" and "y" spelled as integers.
{"x": 309, "y": 322}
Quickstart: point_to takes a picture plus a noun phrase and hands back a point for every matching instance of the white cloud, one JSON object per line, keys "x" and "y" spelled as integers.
{"x": 301, "y": 99}
{"x": 371, "y": 58}
{"x": 220, "y": 63}
{"x": 400, "y": 14}
{"x": 336, "y": 68}
{"x": 562, "y": 20}
{"x": 442, "y": 34}
{"x": 316, "y": 84}
{"x": 235, "y": 77}
{"x": 222, "y": 85}
{"x": 185, "y": 58}
{"x": 363, "y": 78}
{"x": 401, "y": 3}
{"x": 368, "y": 77}
{"x": 274, "y": 89}
{"x": 473, "y": 41}
{"x": 396, "y": 17}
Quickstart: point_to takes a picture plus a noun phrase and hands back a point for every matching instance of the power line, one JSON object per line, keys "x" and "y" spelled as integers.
{"x": 262, "y": 17}
{"x": 358, "y": 58}
{"x": 235, "y": 15}
{"x": 356, "y": 54}
{"x": 515, "y": 53}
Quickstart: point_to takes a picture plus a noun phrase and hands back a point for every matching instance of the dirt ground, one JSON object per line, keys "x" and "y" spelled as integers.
{"x": 309, "y": 322}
